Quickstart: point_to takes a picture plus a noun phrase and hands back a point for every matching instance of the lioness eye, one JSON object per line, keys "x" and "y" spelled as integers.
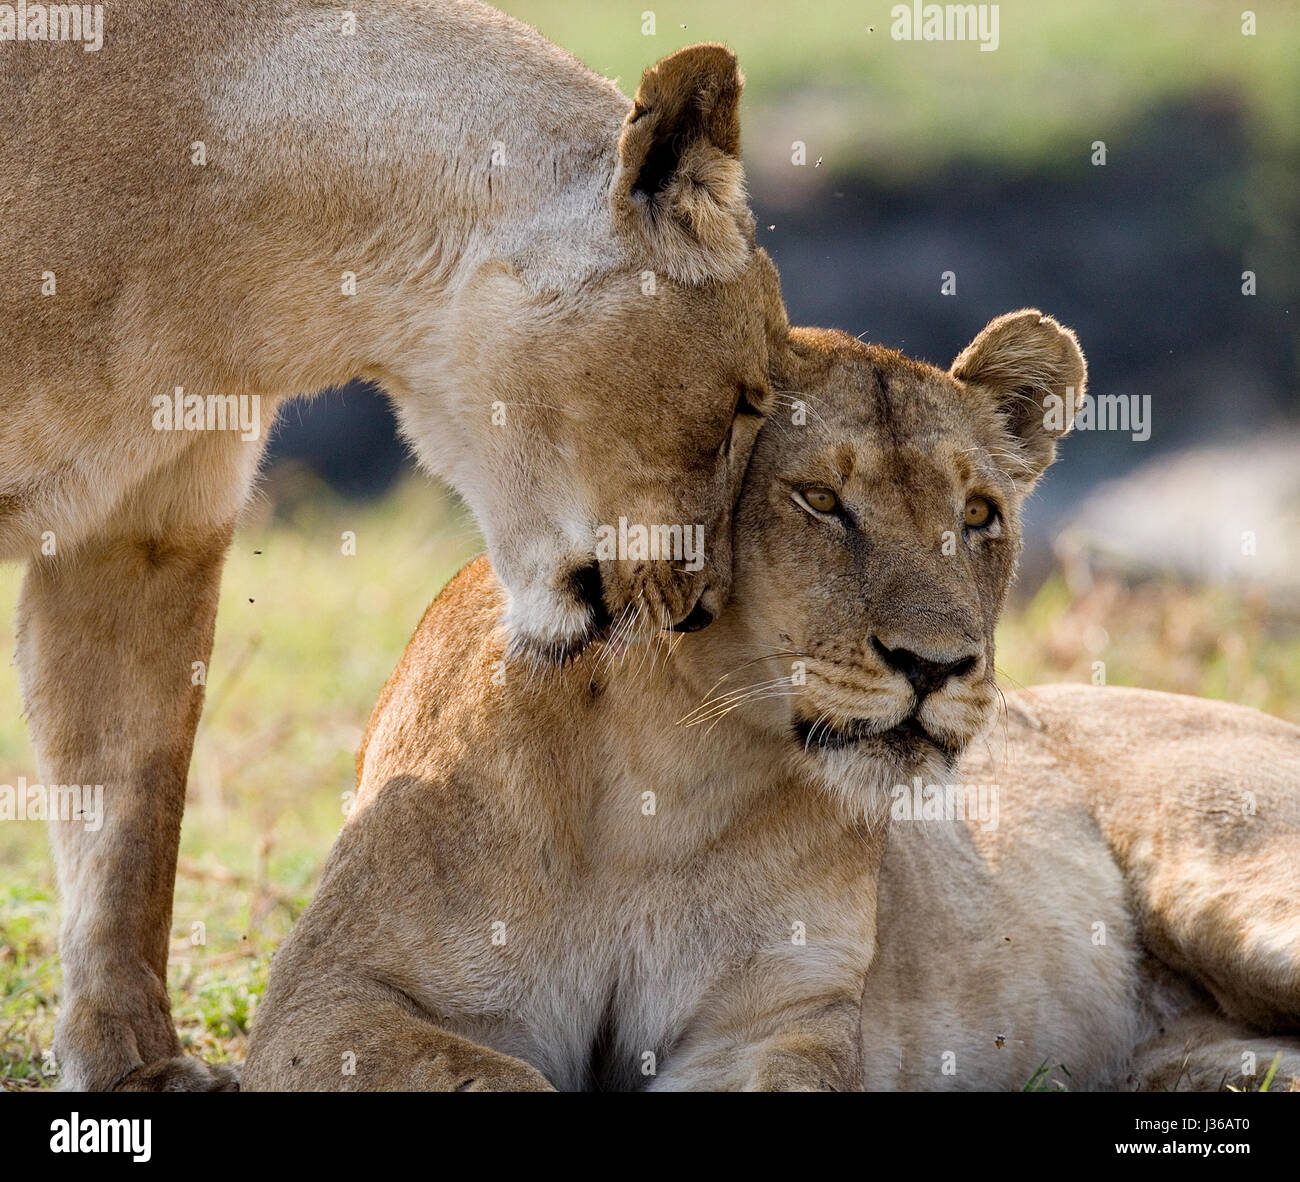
{"x": 979, "y": 512}
{"x": 745, "y": 407}
{"x": 821, "y": 499}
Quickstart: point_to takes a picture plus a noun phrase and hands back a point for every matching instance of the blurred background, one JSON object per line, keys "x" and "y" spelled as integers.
{"x": 1168, "y": 562}
{"x": 931, "y": 157}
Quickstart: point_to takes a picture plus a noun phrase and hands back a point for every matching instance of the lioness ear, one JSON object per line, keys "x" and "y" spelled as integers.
{"x": 680, "y": 187}
{"x": 1033, "y": 370}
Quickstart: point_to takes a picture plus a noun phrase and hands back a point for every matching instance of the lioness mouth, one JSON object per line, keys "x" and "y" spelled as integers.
{"x": 697, "y": 618}
{"x": 903, "y": 739}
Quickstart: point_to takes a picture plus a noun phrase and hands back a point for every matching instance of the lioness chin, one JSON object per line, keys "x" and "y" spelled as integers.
{"x": 706, "y": 865}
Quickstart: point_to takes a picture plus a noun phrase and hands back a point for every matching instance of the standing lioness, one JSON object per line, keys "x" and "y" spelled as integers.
{"x": 707, "y": 868}
{"x": 234, "y": 202}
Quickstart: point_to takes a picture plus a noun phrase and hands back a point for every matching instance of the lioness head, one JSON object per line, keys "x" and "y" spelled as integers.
{"x": 876, "y": 538}
{"x": 621, "y": 341}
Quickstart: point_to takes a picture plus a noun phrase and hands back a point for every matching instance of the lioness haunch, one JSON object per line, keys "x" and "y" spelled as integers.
{"x": 674, "y": 866}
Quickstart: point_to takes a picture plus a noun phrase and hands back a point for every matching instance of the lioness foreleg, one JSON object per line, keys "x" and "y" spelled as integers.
{"x": 108, "y": 638}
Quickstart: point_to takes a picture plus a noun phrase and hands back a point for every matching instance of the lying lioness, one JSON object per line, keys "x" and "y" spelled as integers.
{"x": 708, "y": 865}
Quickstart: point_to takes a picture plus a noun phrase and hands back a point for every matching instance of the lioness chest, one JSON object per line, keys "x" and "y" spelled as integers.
{"x": 604, "y": 968}
{"x": 606, "y": 953}
{"x": 995, "y": 953}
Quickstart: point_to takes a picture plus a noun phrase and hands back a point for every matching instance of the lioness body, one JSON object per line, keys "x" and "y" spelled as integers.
{"x": 626, "y": 876}
{"x": 234, "y": 203}
{"x": 664, "y": 950}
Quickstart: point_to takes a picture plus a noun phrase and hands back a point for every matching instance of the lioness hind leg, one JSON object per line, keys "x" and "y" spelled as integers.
{"x": 1223, "y": 907}
{"x": 1204, "y": 1052}
{"x": 1211, "y": 849}
{"x": 107, "y": 640}
{"x": 362, "y": 1038}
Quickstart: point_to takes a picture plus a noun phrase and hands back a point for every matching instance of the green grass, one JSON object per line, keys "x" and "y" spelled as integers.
{"x": 1044, "y": 1079}
{"x": 294, "y": 675}
{"x": 1212, "y": 642}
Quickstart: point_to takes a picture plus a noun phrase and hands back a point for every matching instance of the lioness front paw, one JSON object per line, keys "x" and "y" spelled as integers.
{"x": 788, "y": 1071}
{"x": 181, "y": 1074}
{"x": 479, "y": 1070}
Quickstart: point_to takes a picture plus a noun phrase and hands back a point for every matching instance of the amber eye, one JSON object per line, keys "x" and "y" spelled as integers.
{"x": 979, "y": 513}
{"x": 821, "y": 499}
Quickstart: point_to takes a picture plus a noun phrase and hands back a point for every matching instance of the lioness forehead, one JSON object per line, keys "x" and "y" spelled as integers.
{"x": 868, "y": 407}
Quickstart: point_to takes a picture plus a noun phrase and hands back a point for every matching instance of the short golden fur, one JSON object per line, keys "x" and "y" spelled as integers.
{"x": 698, "y": 865}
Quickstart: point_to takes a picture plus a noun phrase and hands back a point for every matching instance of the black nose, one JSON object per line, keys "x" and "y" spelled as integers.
{"x": 585, "y": 582}
{"x": 923, "y": 676}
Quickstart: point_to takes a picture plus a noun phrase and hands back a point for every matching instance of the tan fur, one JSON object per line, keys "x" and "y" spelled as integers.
{"x": 646, "y": 873}
{"x": 496, "y": 202}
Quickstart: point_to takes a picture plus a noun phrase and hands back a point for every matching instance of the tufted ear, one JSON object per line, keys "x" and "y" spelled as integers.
{"x": 679, "y": 187}
{"x": 1033, "y": 370}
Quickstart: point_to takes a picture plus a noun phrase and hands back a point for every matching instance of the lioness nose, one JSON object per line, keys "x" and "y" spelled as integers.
{"x": 923, "y": 675}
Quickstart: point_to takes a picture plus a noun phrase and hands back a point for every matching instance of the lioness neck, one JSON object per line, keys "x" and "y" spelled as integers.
{"x": 453, "y": 117}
